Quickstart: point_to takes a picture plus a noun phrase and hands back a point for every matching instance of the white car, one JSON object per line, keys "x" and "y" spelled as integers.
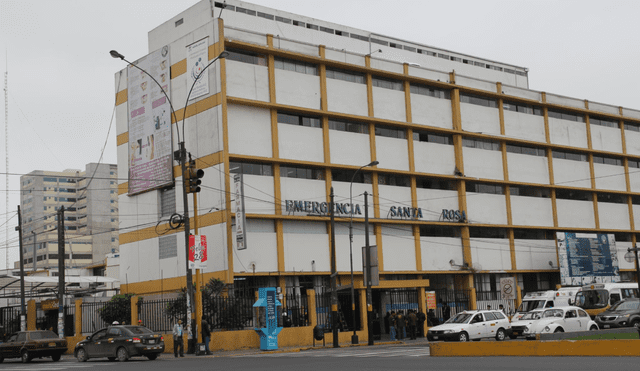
{"x": 524, "y": 321}
{"x": 472, "y": 325}
{"x": 563, "y": 319}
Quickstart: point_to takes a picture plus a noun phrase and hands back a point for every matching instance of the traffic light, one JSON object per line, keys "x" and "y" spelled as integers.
{"x": 192, "y": 177}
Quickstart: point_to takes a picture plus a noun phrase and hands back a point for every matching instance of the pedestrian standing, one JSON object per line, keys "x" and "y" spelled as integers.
{"x": 392, "y": 326}
{"x": 446, "y": 311}
{"x": 178, "y": 342}
{"x": 413, "y": 323}
{"x": 386, "y": 323}
{"x": 206, "y": 334}
{"x": 421, "y": 320}
{"x": 400, "y": 320}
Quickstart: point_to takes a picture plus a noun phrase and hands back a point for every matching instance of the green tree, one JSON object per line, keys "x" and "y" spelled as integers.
{"x": 117, "y": 309}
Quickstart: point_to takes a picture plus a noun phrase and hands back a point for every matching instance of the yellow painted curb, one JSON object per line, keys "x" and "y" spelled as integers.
{"x": 574, "y": 348}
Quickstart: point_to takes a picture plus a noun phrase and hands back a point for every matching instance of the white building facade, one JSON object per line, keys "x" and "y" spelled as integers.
{"x": 476, "y": 172}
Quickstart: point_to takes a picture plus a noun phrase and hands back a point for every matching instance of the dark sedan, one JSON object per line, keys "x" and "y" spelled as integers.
{"x": 121, "y": 343}
{"x": 33, "y": 344}
{"x": 624, "y": 313}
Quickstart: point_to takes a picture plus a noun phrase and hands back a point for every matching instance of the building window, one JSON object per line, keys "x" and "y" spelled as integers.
{"x": 250, "y": 168}
{"x": 430, "y": 91}
{"x": 614, "y": 198}
{"x": 386, "y": 131}
{"x": 478, "y": 100}
{"x": 167, "y": 201}
{"x": 439, "y": 231}
{"x": 246, "y": 57}
{"x": 379, "y": 82}
{"x": 603, "y": 122}
{"x": 435, "y": 183}
{"x": 347, "y": 175}
{"x": 352, "y": 127}
{"x": 631, "y": 126}
{"x": 484, "y": 188}
{"x": 525, "y": 150}
{"x": 168, "y": 247}
{"x": 574, "y": 156}
{"x": 533, "y": 234}
{"x": 633, "y": 163}
{"x": 362, "y": 38}
{"x": 522, "y": 108}
{"x": 265, "y": 15}
{"x": 607, "y": 160}
{"x": 283, "y": 20}
{"x": 527, "y": 191}
{"x": 394, "y": 180}
{"x": 481, "y": 144}
{"x": 245, "y": 11}
{"x": 312, "y": 26}
{"x": 572, "y": 194}
{"x": 346, "y": 75}
{"x": 296, "y": 66}
{"x": 478, "y": 232}
{"x": 301, "y": 173}
{"x": 293, "y": 119}
{"x": 425, "y": 136}
{"x": 563, "y": 115}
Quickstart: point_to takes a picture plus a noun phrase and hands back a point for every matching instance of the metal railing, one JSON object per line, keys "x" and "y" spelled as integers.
{"x": 9, "y": 321}
{"x": 153, "y": 315}
{"x": 295, "y": 311}
{"x": 91, "y": 320}
{"x": 49, "y": 320}
{"x": 229, "y": 313}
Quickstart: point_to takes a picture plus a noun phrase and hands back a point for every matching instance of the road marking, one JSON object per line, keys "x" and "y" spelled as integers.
{"x": 342, "y": 353}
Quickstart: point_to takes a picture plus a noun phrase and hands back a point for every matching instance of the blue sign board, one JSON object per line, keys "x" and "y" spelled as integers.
{"x": 268, "y": 335}
{"x": 587, "y": 258}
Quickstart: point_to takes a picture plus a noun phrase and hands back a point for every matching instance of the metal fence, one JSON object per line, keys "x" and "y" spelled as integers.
{"x": 484, "y": 299}
{"x": 91, "y": 320}
{"x": 457, "y": 299}
{"x": 402, "y": 300}
{"x": 48, "y": 320}
{"x": 229, "y": 313}
{"x": 295, "y": 311}
{"x": 9, "y": 321}
{"x": 153, "y": 315}
{"x": 345, "y": 313}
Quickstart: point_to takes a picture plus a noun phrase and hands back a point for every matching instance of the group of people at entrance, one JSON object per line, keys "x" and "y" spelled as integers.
{"x": 178, "y": 342}
{"x": 400, "y": 324}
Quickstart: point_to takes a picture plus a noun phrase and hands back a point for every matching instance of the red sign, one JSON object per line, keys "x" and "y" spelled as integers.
{"x": 197, "y": 251}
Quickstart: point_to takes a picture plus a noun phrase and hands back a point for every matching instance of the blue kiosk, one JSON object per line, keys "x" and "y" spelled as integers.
{"x": 267, "y": 317}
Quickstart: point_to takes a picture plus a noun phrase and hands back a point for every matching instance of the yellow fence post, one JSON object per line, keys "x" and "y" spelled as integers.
{"x": 31, "y": 315}
{"x": 78, "y": 324}
{"x": 311, "y": 308}
{"x": 134, "y": 310}
{"x": 473, "y": 299}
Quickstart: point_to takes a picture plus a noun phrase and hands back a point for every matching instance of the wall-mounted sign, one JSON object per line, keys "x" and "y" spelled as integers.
{"x": 197, "y": 60}
{"x": 241, "y": 221}
{"x": 453, "y": 215}
{"x": 406, "y": 212}
{"x": 587, "y": 258}
{"x": 320, "y": 208}
{"x": 50, "y": 304}
{"x": 197, "y": 251}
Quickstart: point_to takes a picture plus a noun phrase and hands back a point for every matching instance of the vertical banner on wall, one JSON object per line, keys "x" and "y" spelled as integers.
{"x": 197, "y": 251}
{"x": 587, "y": 258}
{"x": 149, "y": 115}
{"x": 241, "y": 222}
{"x": 197, "y": 60}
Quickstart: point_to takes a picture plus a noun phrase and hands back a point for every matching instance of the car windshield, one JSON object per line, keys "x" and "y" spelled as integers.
{"x": 460, "y": 318}
{"x": 592, "y": 299}
{"x": 553, "y": 313}
{"x": 532, "y": 315}
{"x": 43, "y": 335}
{"x": 530, "y": 305}
{"x": 626, "y": 305}
{"x": 139, "y": 330}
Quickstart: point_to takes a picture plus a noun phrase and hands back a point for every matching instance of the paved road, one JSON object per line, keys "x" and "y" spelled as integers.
{"x": 381, "y": 357}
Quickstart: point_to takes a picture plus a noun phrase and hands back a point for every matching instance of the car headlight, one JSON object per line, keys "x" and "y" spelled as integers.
{"x": 625, "y": 316}
{"x": 448, "y": 332}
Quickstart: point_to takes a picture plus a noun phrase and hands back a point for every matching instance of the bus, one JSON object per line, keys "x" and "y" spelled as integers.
{"x": 598, "y": 297}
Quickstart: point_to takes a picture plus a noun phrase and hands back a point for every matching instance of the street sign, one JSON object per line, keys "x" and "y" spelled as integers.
{"x": 508, "y": 288}
{"x": 197, "y": 251}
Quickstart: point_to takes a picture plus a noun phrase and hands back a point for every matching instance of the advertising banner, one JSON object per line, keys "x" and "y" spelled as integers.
{"x": 150, "y": 162}
{"x": 587, "y": 258}
{"x": 197, "y": 251}
{"x": 197, "y": 60}
{"x": 241, "y": 233}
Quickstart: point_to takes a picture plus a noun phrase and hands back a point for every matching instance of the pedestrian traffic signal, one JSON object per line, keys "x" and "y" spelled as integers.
{"x": 193, "y": 177}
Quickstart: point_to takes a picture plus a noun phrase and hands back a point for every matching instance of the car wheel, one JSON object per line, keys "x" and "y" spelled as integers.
{"x": 81, "y": 355}
{"x": 463, "y": 337}
{"x": 56, "y": 357}
{"x": 122, "y": 354}
{"x": 25, "y": 357}
{"x": 559, "y": 329}
{"x": 500, "y": 335}
{"x": 635, "y": 323}
{"x": 593, "y": 328}
{"x": 152, "y": 357}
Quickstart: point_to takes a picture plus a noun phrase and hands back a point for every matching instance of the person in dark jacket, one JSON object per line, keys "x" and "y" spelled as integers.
{"x": 206, "y": 334}
{"x": 412, "y": 321}
{"x": 446, "y": 311}
{"x": 386, "y": 323}
{"x": 421, "y": 320}
{"x": 401, "y": 324}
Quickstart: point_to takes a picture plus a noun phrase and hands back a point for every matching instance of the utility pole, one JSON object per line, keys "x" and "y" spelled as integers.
{"x": 23, "y": 312}
{"x": 61, "y": 272}
{"x": 35, "y": 237}
{"x": 368, "y": 268}
{"x": 334, "y": 292}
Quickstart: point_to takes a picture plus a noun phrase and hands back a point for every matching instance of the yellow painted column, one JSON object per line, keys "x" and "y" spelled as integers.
{"x": 422, "y": 305}
{"x": 473, "y": 299}
{"x": 311, "y": 308}
{"x": 363, "y": 315}
{"x": 31, "y": 315}
{"x": 78, "y": 318}
{"x": 134, "y": 310}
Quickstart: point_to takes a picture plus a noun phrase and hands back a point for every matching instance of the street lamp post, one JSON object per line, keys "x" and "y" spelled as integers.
{"x": 354, "y": 337}
{"x": 629, "y": 257}
{"x": 183, "y": 159}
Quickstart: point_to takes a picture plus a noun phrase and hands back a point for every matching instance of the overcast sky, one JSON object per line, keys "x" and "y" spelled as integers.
{"x": 61, "y": 77}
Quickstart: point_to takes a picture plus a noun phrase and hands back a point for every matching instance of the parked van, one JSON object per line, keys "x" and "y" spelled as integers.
{"x": 562, "y": 297}
{"x": 598, "y": 297}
